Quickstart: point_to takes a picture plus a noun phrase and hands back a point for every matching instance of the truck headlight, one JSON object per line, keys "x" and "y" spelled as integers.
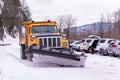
{"x": 65, "y": 44}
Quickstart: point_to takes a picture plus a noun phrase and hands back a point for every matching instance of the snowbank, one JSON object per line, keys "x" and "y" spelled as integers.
{"x": 48, "y": 68}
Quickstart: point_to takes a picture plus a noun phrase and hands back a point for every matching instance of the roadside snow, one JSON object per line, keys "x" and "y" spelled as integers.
{"x": 50, "y": 68}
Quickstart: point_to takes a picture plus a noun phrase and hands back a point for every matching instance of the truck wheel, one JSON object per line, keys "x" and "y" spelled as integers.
{"x": 29, "y": 57}
{"x": 22, "y": 52}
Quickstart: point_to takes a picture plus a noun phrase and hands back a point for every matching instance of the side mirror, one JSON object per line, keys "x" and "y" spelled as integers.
{"x": 22, "y": 32}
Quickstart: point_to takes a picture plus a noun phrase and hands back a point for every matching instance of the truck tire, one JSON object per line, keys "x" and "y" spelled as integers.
{"x": 29, "y": 57}
{"x": 22, "y": 52}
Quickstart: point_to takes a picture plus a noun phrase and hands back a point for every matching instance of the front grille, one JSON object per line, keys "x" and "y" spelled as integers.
{"x": 54, "y": 42}
{"x": 45, "y": 42}
{"x": 58, "y": 41}
{"x": 50, "y": 42}
{"x": 40, "y": 42}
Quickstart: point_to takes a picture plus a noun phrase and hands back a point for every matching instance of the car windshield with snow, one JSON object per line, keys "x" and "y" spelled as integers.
{"x": 44, "y": 29}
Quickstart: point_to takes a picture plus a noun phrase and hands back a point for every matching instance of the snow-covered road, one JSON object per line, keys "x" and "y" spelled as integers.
{"x": 50, "y": 68}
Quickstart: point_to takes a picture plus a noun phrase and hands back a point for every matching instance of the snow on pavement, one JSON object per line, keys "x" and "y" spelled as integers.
{"x": 45, "y": 68}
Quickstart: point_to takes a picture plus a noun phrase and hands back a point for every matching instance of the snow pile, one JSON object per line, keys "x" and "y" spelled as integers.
{"x": 8, "y": 40}
{"x": 49, "y": 68}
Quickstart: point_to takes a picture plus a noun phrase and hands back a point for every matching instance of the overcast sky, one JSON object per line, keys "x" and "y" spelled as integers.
{"x": 85, "y": 11}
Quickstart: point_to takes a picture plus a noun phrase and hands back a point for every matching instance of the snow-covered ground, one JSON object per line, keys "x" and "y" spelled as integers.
{"x": 50, "y": 68}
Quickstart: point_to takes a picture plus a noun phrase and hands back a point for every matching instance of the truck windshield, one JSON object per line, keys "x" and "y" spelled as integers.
{"x": 44, "y": 29}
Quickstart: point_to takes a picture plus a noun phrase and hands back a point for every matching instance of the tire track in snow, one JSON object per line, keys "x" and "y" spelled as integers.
{"x": 45, "y": 61}
{"x": 35, "y": 63}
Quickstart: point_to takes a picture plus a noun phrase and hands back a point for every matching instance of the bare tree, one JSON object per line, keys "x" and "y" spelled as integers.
{"x": 74, "y": 36}
{"x": 117, "y": 24}
{"x": 61, "y": 23}
{"x": 66, "y": 21}
{"x": 109, "y": 26}
{"x": 94, "y": 29}
{"x": 101, "y": 30}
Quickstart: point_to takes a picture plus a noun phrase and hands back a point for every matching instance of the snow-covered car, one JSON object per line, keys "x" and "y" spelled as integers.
{"x": 76, "y": 46}
{"x": 89, "y": 42}
{"x": 114, "y": 48}
{"x": 72, "y": 43}
{"x": 102, "y": 45}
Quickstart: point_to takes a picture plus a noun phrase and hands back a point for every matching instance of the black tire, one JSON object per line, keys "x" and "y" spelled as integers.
{"x": 110, "y": 54}
{"x": 29, "y": 57}
{"x": 119, "y": 55}
{"x": 101, "y": 51}
{"x": 22, "y": 52}
{"x": 114, "y": 54}
{"x": 78, "y": 49}
{"x": 105, "y": 53}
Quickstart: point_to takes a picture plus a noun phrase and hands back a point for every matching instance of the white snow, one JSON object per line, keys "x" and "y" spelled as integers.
{"x": 48, "y": 68}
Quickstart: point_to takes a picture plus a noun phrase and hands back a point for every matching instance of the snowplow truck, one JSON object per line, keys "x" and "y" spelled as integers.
{"x": 43, "y": 37}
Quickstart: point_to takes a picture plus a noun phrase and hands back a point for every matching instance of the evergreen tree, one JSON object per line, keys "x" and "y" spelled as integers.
{"x": 26, "y": 11}
{"x": 13, "y": 13}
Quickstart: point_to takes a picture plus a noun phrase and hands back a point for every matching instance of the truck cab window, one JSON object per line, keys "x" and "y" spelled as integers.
{"x": 44, "y": 29}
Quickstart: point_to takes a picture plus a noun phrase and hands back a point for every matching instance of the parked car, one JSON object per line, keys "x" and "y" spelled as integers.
{"x": 76, "y": 45}
{"x": 114, "y": 48}
{"x": 80, "y": 46}
{"x": 73, "y": 43}
{"x": 89, "y": 43}
{"x": 102, "y": 45}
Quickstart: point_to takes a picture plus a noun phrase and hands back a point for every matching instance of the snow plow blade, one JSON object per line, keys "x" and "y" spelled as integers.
{"x": 62, "y": 54}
